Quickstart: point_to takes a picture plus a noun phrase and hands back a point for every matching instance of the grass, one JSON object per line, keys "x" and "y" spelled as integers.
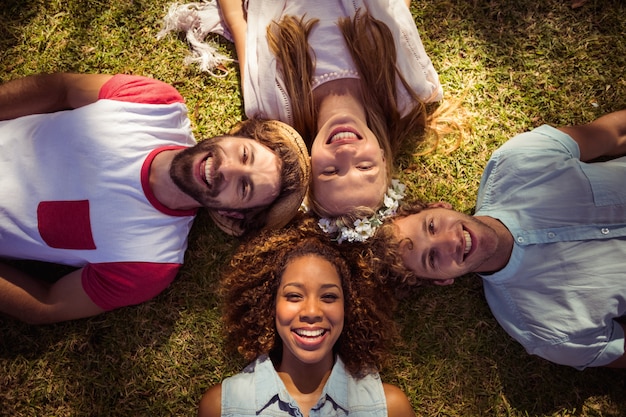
{"x": 517, "y": 65}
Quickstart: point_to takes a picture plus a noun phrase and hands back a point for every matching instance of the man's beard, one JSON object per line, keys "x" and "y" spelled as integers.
{"x": 183, "y": 175}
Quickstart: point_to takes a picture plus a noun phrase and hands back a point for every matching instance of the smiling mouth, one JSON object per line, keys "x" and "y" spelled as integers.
{"x": 208, "y": 171}
{"x": 312, "y": 334}
{"x": 343, "y": 136}
{"x": 468, "y": 243}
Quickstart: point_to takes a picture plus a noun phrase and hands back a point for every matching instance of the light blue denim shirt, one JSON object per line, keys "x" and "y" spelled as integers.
{"x": 259, "y": 391}
{"x": 565, "y": 283}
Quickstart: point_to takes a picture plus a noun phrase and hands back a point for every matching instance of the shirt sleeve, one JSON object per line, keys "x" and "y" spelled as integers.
{"x": 540, "y": 149}
{"x": 118, "y": 284}
{"x": 138, "y": 89}
{"x": 544, "y": 140}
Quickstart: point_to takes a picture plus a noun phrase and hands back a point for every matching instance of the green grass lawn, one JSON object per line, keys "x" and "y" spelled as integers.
{"x": 517, "y": 65}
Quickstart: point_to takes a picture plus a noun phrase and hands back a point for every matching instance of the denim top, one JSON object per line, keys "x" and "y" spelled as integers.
{"x": 259, "y": 391}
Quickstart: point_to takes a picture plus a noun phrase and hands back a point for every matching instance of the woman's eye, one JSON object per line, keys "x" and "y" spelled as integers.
{"x": 245, "y": 155}
{"x": 329, "y": 298}
{"x": 293, "y": 297}
{"x": 431, "y": 227}
{"x": 329, "y": 171}
{"x": 364, "y": 167}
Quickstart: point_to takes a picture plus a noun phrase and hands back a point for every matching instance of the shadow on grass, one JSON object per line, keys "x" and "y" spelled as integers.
{"x": 456, "y": 360}
{"x": 543, "y": 388}
{"x": 14, "y": 14}
{"x": 120, "y": 362}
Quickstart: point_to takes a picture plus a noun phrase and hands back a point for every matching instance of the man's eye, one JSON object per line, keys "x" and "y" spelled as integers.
{"x": 244, "y": 157}
{"x": 431, "y": 260}
{"x": 431, "y": 227}
{"x": 245, "y": 188}
{"x": 364, "y": 167}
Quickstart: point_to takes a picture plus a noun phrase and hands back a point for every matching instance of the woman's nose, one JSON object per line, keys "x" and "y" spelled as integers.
{"x": 311, "y": 311}
{"x": 345, "y": 151}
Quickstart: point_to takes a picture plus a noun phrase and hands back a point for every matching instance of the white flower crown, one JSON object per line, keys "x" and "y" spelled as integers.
{"x": 363, "y": 229}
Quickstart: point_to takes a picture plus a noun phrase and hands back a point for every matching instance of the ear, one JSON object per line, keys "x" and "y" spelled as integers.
{"x": 231, "y": 214}
{"x": 440, "y": 204}
{"x": 443, "y": 282}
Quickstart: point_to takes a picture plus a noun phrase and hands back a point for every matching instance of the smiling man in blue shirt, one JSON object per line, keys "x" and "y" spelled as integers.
{"x": 548, "y": 238}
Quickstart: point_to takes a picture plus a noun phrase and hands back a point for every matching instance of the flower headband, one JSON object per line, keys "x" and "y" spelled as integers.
{"x": 363, "y": 229}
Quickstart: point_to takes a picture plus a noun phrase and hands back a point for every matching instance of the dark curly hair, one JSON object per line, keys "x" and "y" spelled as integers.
{"x": 249, "y": 287}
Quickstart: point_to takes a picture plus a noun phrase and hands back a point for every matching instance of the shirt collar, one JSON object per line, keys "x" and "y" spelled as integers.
{"x": 336, "y": 388}
{"x": 270, "y": 388}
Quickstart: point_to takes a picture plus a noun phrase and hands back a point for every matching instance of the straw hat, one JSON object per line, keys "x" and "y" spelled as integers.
{"x": 284, "y": 208}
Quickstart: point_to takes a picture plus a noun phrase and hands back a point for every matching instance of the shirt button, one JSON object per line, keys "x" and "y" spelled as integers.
{"x": 551, "y": 235}
{"x": 520, "y": 239}
{"x": 604, "y": 231}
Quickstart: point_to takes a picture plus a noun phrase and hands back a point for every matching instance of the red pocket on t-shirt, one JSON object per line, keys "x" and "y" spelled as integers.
{"x": 65, "y": 224}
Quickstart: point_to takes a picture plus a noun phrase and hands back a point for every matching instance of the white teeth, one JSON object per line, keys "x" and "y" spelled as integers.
{"x": 343, "y": 135}
{"x": 309, "y": 333}
{"x": 208, "y": 164}
{"x": 468, "y": 242}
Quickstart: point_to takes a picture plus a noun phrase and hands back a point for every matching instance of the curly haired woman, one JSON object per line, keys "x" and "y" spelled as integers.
{"x": 315, "y": 329}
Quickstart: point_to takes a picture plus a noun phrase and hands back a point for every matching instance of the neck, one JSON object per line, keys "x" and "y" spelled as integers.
{"x": 339, "y": 96}
{"x": 305, "y": 382}
{"x": 164, "y": 189}
{"x": 504, "y": 245}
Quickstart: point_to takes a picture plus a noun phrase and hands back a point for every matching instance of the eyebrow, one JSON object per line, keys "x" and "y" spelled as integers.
{"x": 369, "y": 176}
{"x": 300, "y": 285}
{"x": 250, "y": 194}
{"x": 250, "y": 182}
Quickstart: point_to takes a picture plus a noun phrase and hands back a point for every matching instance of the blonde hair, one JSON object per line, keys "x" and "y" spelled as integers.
{"x": 369, "y": 41}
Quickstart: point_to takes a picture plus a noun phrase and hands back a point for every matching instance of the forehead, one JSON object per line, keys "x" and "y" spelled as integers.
{"x": 342, "y": 194}
{"x": 309, "y": 269}
{"x": 410, "y": 221}
{"x": 228, "y": 141}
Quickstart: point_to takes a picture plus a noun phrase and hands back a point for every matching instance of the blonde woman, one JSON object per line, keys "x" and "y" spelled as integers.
{"x": 351, "y": 76}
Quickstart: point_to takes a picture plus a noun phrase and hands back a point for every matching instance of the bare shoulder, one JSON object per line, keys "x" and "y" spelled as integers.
{"x": 211, "y": 402}
{"x": 398, "y": 404}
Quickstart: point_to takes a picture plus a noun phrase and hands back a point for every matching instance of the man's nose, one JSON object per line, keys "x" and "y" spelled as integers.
{"x": 446, "y": 243}
{"x": 230, "y": 169}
